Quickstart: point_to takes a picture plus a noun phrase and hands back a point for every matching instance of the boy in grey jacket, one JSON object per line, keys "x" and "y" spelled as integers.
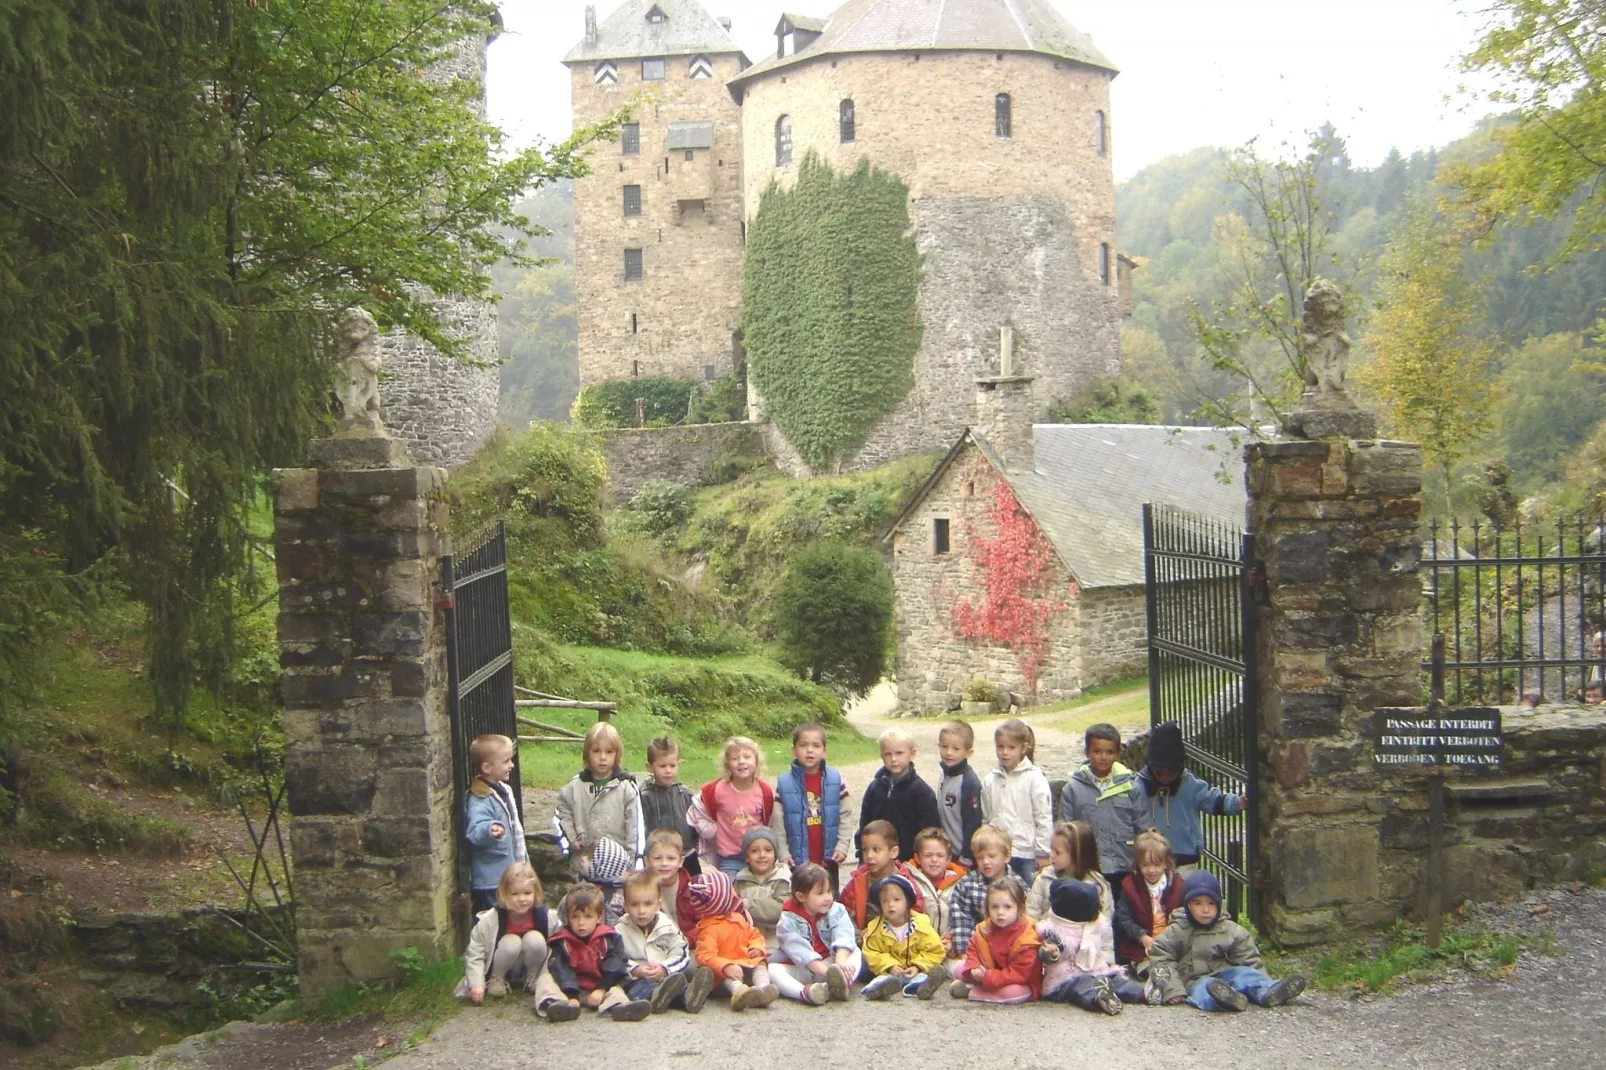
{"x": 662, "y": 970}
{"x": 1210, "y": 961}
{"x": 1105, "y": 794}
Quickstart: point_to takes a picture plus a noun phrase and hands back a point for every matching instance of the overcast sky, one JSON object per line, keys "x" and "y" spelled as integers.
{"x": 1193, "y": 72}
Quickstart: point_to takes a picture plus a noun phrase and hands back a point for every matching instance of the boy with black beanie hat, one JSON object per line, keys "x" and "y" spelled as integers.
{"x": 1176, "y": 797}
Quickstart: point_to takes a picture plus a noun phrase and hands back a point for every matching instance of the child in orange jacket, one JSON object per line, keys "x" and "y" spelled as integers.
{"x": 1001, "y": 964}
{"x": 728, "y": 942}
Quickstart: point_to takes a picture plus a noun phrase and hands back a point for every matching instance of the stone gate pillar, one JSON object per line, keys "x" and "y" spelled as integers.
{"x": 1340, "y": 634}
{"x": 367, "y": 742}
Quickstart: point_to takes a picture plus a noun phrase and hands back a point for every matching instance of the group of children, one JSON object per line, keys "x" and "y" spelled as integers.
{"x": 977, "y": 890}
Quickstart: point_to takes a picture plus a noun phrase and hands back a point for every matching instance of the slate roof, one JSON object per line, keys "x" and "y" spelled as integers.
{"x": 931, "y": 25}
{"x": 1089, "y": 484}
{"x": 688, "y": 30}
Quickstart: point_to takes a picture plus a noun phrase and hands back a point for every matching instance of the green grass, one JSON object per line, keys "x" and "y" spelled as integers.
{"x": 1405, "y": 956}
{"x": 423, "y": 998}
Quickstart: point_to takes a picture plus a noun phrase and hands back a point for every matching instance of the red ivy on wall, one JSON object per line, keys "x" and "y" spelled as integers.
{"x": 1017, "y": 603}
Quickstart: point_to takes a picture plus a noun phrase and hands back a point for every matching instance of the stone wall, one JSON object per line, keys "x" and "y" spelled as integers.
{"x": 1115, "y": 634}
{"x": 691, "y": 455}
{"x": 933, "y": 663}
{"x": 442, "y": 407}
{"x": 157, "y": 960}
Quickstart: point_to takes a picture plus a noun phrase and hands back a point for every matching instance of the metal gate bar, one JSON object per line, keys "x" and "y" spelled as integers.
{"x": 479, "y": 652}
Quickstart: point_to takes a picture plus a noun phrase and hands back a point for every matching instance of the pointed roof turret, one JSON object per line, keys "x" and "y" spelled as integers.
{"x": 655, "y": 28}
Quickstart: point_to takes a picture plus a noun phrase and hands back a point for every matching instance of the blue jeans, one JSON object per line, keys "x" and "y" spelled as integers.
{"x": 484, "y": 898}
{"x": 1025, "y": 869}
{"x": 730, "y": 865}
{"x": 1246, "y": 979}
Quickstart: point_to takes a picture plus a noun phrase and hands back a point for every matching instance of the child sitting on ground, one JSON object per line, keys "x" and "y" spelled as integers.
{"x": 1001, "y": 964}
{"x": 898, "y": 795}
{"x": 491, "y": 819}
{"x": 1015, "y": 797}
{"x": 728, "y": 942}
{"x": 587, "y": 965}
{"x": 813, "y": 796}
{"x": 602, "y": 799}
{"x": 818, "y": 958}
{"x": 664, "y": 855}
{"x": 660, "y": 964}
{"x": 726, "y": 808}
{"x": 934, "y": 858}
{"x": 1105, "y": 794}
{"x": 1074, "y": 855}
{"x": 878, "y": 847}
{"x": 959, "y": 788}
{"x": 605, "y": 864}
{"x": 1207, "y": 959}
{"x": 1078, "y": 959}
{"x": 901, "y": 947}
{"x": 665, "y": 801}
{"x": 1147, "y": 898}
{"x": 967, "y": 901}
{"x": 764, "y": 883}
{"x": 1176, "y": 798}
{"x": 509, "y": 940}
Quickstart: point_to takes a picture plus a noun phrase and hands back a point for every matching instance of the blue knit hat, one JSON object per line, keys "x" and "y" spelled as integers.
{"x": 1074, "y": 900}
{"x": 1200, "y": 882}
{"x": 898, "y": 880}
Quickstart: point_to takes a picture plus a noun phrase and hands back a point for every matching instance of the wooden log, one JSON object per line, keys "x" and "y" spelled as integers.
{"x": 564, "y": 704}
{"x": 554, "y": 728}
{"x": 551, "y": 739}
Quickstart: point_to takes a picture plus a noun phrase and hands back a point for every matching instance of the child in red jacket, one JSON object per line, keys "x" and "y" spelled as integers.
{"x": 587, "y": 966}
{"x": 1146, "y": 898}
{"x": 1001, "y": 964}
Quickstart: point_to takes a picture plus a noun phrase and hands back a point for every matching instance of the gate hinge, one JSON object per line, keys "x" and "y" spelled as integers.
{"x": 444, "y": 599}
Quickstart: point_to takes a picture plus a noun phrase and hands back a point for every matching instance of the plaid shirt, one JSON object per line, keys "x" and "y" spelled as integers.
{"x": 967, "y": 906}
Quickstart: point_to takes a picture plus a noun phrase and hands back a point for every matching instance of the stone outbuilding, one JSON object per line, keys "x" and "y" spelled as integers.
{"x": 1021, "y": 559}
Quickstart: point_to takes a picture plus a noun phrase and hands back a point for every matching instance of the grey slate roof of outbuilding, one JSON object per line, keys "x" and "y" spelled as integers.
{"x": 931, "y": 25}
{"x": 687, "y": 30}
{"x": 1089, "y": 484}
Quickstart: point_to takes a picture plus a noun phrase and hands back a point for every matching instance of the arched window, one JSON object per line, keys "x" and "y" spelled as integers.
{"x": 1101, "y": 136}
{"x": 845, "y": 120}
{"x": 1104, "y": 263}
{"x": 783, "y": 141}
{"x": 1001, "y": 114}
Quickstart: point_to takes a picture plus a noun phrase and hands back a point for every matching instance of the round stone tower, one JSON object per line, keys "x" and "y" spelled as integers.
{"x": 996, "y": 113}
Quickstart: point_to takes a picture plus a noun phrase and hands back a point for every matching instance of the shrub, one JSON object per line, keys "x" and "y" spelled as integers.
{"x": 660, "y": 504}
{"x": 979, "y": 690}
{"x": 1107, "y": 401}
{"x": 613, "y": 403}
{"x": 833, "y": 611}
{"x": 724, "y": 401}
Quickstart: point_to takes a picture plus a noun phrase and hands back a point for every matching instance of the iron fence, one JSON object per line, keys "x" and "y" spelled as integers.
{"x": 1522, "y": 608}
{"x": 479, "y": 651}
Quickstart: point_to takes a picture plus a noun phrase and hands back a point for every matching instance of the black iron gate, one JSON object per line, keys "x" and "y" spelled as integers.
{"x": 1199, "y": 574}
{"x": 479, "y": 651}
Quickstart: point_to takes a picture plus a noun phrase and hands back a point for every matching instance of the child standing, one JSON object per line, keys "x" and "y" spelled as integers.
{"x": 586, "y": 966}
{"x": 812, "y": 794}
{"x": 1078, "y": 959}
{"x": 509, "y": 940}
{"x": 1207, "y": 959}
{"x": 968, "y": 900}
{"x": 602, "y": 799}
{"x": 1073, "y": 855}
{"x": 665, "y": 801}
{"x": 897, "y": 794}
{"x": 1105, "y": 794}
{"x": 728, "y": 943}
{"x": 934, "y": 858}
{"x": 491, "y": 817}
{"x": 901, "y": 947}
{"x": 660, "y": 964}
{"x": 819, "y": 954}
{"x": 1016, "y": 798}
{"x": 1001, "y": 963}
{"x": 663, "y": 860}
{"x": 764, "y": 882}
{"x": 726, "y": 808}
{"x": 878, "y": 846}
{"x": 959, "y": 789}
{"x": 1175, "y": 797}
{"x": 1148, "y": 896}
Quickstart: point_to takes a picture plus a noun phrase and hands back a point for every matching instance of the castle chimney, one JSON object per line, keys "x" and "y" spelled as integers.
{"x": 725, "y": 21}
{"x": 591, "y": 24}
{"x": 1004, "y": 408}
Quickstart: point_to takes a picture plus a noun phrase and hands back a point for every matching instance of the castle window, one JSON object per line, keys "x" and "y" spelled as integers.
{"x": 1101, "y": 137}
{"x": 606, "y": 73}
{"x": 845, "y": 120}
{"x": 635, "y": 368}
{"x": 630, "y": 139}
{"x": 635, "y": 327}
{"x": 710, "y": 373}
{"x": 783, "y": 141}
{"x": 691, "y": 208}
{"x": 632, "y": 264}
{"x": 1001, "y": 115}
{"x": 652, "y": 70}
{"x": 1104, "y": 263}
{"x": 691, "y": 154}
{"x": 700, "y": 67}
{"x": 632, "y": 200}
{"x": 939, "y": 535}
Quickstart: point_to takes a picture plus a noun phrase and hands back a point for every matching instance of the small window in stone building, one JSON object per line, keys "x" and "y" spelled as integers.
{"x": 634, "y": 326}
{"x": 656, "y": 14}
{"x": 708, "y": 373}
{"x": 635, "y": 369}
{"x": 632, "y": 200}
{"x": 845, "y": 119}
{"x": 1104, "y": 263}
{"x": 1001, "y": 116}
{"x": 691, "y": 154}
{"x": 606, "y": 73}
{"x": 939, "y": 535}
{"x": 652, "y": 70}
{"x": 1101, "y": 137}
{"x": 700, "y": 67}
{"x": 691, "y": 209}
{"x": 783, "y": 141}
{"x": 970, "y": 489}
{"x": 630, "y": 139}
{"x": 632, "y": 264}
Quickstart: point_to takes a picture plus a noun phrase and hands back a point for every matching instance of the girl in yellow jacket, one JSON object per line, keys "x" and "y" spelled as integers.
{"x": 901, "y": 946}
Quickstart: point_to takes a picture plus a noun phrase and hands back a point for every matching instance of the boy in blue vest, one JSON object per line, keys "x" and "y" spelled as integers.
{"x": 818, "y": 827}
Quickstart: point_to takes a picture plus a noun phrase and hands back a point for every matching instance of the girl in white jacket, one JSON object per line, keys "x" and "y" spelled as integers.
{"x": 1016, "y": 798}
{"x": 508, "y": 944}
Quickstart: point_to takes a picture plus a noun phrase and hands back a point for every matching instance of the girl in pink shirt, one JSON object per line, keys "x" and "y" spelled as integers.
{"x": 726, "y": 808}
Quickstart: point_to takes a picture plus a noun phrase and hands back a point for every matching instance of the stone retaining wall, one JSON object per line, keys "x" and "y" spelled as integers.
{"x": 694, "y": 455}
{"x": 157, "y": 960}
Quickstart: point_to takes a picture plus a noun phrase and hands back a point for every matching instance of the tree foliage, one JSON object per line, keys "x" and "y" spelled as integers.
{"x": 833, "y": 615}
{"x": 187, "y": 191}
{"x": 612, "y": 402}
{"x": 538, "y": 315}
{"x": 1107, "y": 401}
{"x": 830, "y": 280}
{"x": 1549, "y": 401}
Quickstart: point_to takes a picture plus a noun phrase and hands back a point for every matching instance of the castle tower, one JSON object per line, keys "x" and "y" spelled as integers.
{"x": 996, "y": 113}
{"x": 658, "y": 222}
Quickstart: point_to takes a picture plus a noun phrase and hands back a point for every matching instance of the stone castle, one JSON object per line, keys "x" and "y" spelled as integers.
{"x": 996, "y": 115}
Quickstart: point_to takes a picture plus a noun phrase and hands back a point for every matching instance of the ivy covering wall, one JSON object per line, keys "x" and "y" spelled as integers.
{"x": 612, "y": 403}
{"x": 829, "y": 315}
